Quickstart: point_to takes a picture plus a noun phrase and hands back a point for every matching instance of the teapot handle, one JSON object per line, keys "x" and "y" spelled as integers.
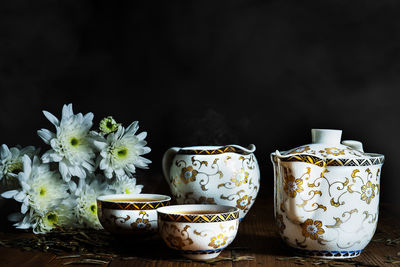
{"x": 167, "y": 161}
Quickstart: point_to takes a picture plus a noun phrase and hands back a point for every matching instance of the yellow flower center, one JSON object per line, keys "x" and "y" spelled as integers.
{"x": 122, "y": 152}
{"x": 93, "y": 208}
{"x": 74, "y": 142}
{"x": 42, "y": 191}
{"x": 15, "y": 167}
{"x": 52, "y": 218}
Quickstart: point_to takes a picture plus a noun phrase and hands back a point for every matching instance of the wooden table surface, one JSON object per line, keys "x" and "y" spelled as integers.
{"x": 257, "y": 237}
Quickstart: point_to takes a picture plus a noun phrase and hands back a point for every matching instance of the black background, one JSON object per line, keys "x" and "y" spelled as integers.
{"x": 207, "y": 72}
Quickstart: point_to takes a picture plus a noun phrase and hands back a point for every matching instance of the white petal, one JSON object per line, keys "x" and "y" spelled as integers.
{"x": 72, "y": 186}
{"x": 24, "y": 208}
{"x": 138, "y": 189}
{"x": 131, "y": 168}
{"x": 88, "y": 166}
{"x": 67, "y": 112}
{"x": 51, "y": 118}
{"x": 119, "y": 172}
{"x": 87, "y": 121}
{"x": 62, "y": 167}
{"x": 46, "y": 135}
{"x": 78, "y": 171}
{"x": 10, "y": 194}
{"x": 131, "y": 130}
{"x": 4, "y": 151}
{"x": 142, "y": 135}
{"x": 108, "y": 172}
{"x": 20, "y": 196}
{"x": 100, "y": 145}
{"x": 51, "y": 156}
{"x": 27, "y": 163}
{"x": 103, "y": 164}
{"x": 146, "y": 150}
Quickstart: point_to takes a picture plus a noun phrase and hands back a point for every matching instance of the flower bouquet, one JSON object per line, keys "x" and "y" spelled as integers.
{"x": 59, "y": 188}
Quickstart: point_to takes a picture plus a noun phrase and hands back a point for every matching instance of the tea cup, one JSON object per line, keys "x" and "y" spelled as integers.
{"x": 130, "y": 213}
{"x": 198, "y": 231}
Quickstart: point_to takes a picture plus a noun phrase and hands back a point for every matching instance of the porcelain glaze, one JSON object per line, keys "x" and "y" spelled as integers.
{"x": 225, "y": 175}
{"x": 130, "y": 217}
{"x": 327, "y": 195}
{"x": 201, "y": 235}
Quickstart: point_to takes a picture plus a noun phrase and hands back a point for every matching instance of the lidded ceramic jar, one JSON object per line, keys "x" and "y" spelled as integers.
{"x": 327, "y": 195}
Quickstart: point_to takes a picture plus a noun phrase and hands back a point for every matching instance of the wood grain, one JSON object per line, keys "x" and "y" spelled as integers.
{"x": 257, "y": 237}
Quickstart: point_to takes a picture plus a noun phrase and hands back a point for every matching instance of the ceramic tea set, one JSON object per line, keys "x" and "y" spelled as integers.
{"x": 326, "y": 198}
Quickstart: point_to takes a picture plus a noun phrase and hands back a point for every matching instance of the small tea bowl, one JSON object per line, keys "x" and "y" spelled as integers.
{"x": 198, "y": 231}
{"x": 130, "y": 213}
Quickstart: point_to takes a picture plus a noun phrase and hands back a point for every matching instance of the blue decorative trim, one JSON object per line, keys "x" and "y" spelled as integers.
{"x": 330, "y": 254}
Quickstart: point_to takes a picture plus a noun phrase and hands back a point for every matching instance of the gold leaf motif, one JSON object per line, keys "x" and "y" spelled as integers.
{"x": 316, "y": 192}
{"x": 198, "y": 233}
{"x": 335, "y": 204}
{"x": 215, "y": 161}
{"x": 220, "y": 174}
{"x": 320, "y": 206}
{"x": 353, "y": 174}
{"x": 350, "y": 189}
{"x": 302, "y": 205}
{"x": 346, "y": 182}
{"x": 353, "y": 211}
{"x": 337, "y": 223}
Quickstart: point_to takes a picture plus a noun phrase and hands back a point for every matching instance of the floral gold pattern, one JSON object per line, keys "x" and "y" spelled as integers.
{"x": 141, "y": 222}
{"x": 218, "y": 241}
{"x": 210, "y": 177}
{"x": 293, "y": 186}
{"x": 240, "y": 177}
{"x": 188, "y": 174}
{"x": 312, "y": 229}
{"x": 327, "y": 195}
{"x": 333, "y": 151}
{"x": 368, "y": 192}
{"x": 243, "y": 202}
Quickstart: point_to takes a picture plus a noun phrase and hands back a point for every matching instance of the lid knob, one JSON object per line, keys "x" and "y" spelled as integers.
{"x": 326, "y": 136}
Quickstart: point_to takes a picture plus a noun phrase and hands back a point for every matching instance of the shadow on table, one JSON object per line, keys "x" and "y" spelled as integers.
{"x": 262, "y": 244}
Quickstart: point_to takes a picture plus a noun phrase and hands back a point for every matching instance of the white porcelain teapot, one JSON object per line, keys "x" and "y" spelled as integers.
{"x": 327, "y": 195}
{"x": 225, "y": 175}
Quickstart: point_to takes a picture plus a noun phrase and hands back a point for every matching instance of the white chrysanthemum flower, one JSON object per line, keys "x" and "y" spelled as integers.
{"x": 60, "y": 215}
{"x": 72, "y": 143}
{"x": 121, "y": 151}
{"x": 40, "y": 187}
{"x": 85, "y": 201}
{"x": 126, "y": 185}
{"x": 11, "y": 162}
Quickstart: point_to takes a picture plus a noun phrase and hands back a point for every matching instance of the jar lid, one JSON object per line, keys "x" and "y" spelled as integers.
{"x": 326, "y": 148}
